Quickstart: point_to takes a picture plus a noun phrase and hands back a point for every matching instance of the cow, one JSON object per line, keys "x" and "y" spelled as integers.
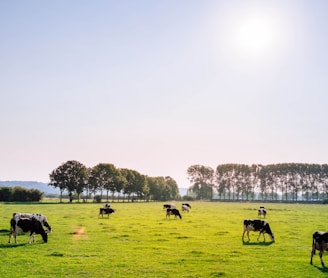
{"x": 255, "y": 226}
{"x": 107, "y": 211}
{"x": 24, "y": 225}
{"x": 42, "y": 218}
{"x": 185, "y": 208}
{"x": 169, "y": 206}
{"x": 187, "y": 205}
{"x": 173, "y": 211}
{"x": 262, "y": 211}
{"x": 320, "y": 243}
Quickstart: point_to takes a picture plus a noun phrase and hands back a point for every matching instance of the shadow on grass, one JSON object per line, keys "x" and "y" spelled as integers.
{"x": 11, "y": 245}
{"x": 323, "y": 269}
{"x": 258, "y": 243}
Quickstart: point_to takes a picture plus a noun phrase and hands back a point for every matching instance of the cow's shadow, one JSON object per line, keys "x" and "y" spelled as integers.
{"x": 12, "y": 245}
{"x": 323, "y": 269}
{"x": 257, "y": 243}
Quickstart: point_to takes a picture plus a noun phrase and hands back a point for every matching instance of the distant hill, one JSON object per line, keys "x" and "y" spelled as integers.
{"x": 41, "y": 186}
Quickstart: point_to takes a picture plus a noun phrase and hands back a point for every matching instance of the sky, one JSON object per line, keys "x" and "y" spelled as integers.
{"x": 159, "y": 86}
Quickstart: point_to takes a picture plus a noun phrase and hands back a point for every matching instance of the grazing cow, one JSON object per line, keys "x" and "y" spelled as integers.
{"x": 42, "y": 218}
{"x": 186, "y": 204}
{"x": 24, "y": 225}
{"x": 107, "y": 211}
{"x": 173, "y": 211}
{"x": 319, "y": 242}
{"x": 255, "y": 226}
{"x": 106, "y": 206}
{"x": 169, "y": 206}
{"x": 262, "y": 211}
{"x": 185, "y": 208}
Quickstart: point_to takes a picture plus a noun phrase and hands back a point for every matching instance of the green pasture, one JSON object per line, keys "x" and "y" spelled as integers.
{"x": 138, "y": 241}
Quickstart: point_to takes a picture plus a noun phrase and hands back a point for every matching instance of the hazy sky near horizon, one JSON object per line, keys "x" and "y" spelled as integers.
{"x": 158, "y": 86}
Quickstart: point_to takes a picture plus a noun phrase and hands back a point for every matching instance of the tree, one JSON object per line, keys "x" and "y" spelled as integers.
{"x": 71, "y": 176}
{"x": 173, "y": 188}
{"x": 104, "y": 176}
{"x": 5, "y": 193}
{"x": 202, "y": 178}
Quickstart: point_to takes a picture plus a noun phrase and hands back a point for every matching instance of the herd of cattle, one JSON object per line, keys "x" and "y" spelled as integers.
{"x": 35, "y": 223}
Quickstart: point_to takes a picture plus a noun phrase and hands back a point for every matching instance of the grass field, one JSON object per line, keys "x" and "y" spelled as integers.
{"x": 138, "y": 241}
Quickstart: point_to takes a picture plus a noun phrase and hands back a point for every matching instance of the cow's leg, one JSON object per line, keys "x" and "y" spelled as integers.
{"x": 246, "y": 231}
{"x": 243, "y": 235}
{"x": 29, "y": 239}
{"x": 10, "y": 235}
{"x": 320, "y": 254}
{"x": 312, "y": 254}
{"x": 15, "y": 237}
{"x": 248, "y": 236}
{"x": 32, "y": 238}
{"x": 260, "y": 235}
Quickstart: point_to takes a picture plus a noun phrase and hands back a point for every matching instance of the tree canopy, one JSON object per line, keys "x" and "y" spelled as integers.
{"x": 73, "y": 177}
{"x": 288, "y": 181}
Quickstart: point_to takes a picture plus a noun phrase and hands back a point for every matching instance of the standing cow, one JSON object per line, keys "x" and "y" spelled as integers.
{"x": 40, "y": 217}
{"x": 186, "y": 204}
{"x": 169, "y": 206}
{"x": 173, "y": 211}
{"x": 107, "y": 211}
{"x": 257, "y": 226}
{"x": 262, "y": 211}
{"x": 320, "y": 243}
{"x": 24, "y": 225}
{"x": 184, "y": 208}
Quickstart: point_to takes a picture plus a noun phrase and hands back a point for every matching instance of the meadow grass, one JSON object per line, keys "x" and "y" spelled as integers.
{"x": 138, "y": 241}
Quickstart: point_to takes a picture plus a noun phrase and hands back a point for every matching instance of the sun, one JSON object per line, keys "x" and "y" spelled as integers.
{"x": 255, "y": 36}
{"x": 252, "y": 38}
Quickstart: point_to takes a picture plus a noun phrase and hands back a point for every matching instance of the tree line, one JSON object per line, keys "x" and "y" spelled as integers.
{"x": 286, "y": 181}
{"x": 77, "y": 179}
{"x": 19, "y": 194}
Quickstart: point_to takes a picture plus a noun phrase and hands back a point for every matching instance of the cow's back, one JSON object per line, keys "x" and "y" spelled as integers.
{"x": 320, "y": 240}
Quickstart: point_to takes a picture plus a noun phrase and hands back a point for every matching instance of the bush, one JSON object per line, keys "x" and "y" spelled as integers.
{"x": 98, "y": 198}
{"x": 19, "y": 194}
{"x": 5, "y": 194}
{"x": 188, "y": 198}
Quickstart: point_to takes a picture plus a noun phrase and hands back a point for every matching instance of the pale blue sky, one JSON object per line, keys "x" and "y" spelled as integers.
{"x": 158, "y": 86}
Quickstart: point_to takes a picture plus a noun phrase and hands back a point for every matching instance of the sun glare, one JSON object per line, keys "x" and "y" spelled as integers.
{"x": 255, "y": 36}
{"x": 252, "y": 36}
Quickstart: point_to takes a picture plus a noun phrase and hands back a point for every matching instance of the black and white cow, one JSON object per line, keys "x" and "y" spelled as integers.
{"x": 262, "y": 211}
{"x": 42, "y": 218}
{"x": 169, "y": 206}
{"x": 320, "y": 243}
{"x": 184, "y": 208}
{"x": 107, "y": 211}
{"x": 187, "y": 205}
{"x": 24, "y": 225}
{"x": 257, "y": 226}
{"x": 174, "y": 212}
